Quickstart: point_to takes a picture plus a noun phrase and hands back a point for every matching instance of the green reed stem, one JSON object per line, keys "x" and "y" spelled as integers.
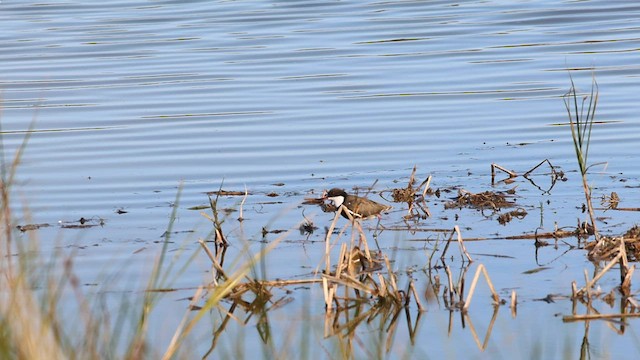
{"x": 581, "y": 122}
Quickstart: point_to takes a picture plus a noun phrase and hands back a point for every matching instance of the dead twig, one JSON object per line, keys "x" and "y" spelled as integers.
{"x": 246, "y": 193}
{"x": 570, "y": 318}
{"x": 511, "y": 173}
{"x": 463, "y": 249}
{"x": 481, "y": 270}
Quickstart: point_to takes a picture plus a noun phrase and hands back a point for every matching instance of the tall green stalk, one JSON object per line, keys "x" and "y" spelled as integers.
{"x": 581, "y": 122}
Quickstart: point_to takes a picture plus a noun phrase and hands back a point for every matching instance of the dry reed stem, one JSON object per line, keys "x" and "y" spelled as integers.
{"x": 462, "y": 247}
{"x": 537, "y": 166}
{"x": 341, "y": 260}
{"x": 409, "y": 210}
{"x": 327, "y": 240}
{"x": 452, "y": 290}
{"x": 348, "y": 281}
{"x": 569, "y": 318}
{"x": 214, "y": 262}
{"x": 625, "y": 287}
{"x": 382, "y": 292}
{"x": 512, "y": 174}
{"x": 514, "y": 303}
{"x": 494, "y": 166}
{"x": 448, "y": 242}
{"x": 624, "y": 209}
{"x": 243, "y": 287}
{"x": 426, "y": 184}
{"x": 217, "y": 224}
{"x": 412, "y": 287}
{"x": 328, "y": 246}
{"x": 624, "y": 262}
{"x": 546, "y": 235}
{"x": 246, "y": 193}
{"x": 412, "y": 177}
{"x": 589, "y": 284}
{"x": 392, "y": 277}
{"x": 363, "y": 240}
{"x": 425, "y": 209}
{"x": 574, "y": 304}
{"x": 472, "y": 288}
{"x": 281, "y": 283}
{"x": 328, "y": 296}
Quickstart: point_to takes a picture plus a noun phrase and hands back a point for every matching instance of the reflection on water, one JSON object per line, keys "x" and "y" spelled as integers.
{"x": 127, "y": 100}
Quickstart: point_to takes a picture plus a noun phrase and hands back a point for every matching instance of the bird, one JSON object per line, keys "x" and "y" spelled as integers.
{"x": 358, "y": 207}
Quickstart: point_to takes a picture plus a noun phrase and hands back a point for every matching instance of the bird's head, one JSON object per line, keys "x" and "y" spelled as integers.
{"x": 336, "y": 196}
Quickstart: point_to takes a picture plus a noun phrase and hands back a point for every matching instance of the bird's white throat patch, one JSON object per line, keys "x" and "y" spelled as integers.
{"x": 337, "y": 200}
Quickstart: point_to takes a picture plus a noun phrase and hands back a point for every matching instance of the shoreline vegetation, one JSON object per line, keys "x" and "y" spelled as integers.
{"x": 360, "y": 283}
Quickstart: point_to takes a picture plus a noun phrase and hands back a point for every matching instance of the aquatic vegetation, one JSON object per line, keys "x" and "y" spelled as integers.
{"x": 581, "y": 121}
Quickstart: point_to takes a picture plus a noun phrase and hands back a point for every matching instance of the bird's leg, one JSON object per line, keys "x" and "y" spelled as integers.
{"x": 375, "y": 234}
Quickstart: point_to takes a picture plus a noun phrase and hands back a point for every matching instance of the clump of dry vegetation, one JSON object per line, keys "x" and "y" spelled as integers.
{"x": 414, "y": 198}
{"x": 491, "y": 200}
{"x": 607, "y": 248}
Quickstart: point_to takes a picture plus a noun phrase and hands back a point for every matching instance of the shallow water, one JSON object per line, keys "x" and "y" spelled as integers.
{"x": 130, "y": 99}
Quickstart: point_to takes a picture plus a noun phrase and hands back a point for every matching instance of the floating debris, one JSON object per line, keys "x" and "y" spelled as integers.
{"x": 611, "y": 202}
{"x": 608, "y": 248}
{"x": 554, "y": 174}
{"x": 31, "y": 227}
{"x": 82, "y": 223}
{"x": 485, "y": 200}
{"x": 198, "y": 207}
{"x": 307, "y": 228}
{"x": 403, "y": 195}
{"x": 265, "y": 231}
{"x": 504, "y": 218}
{"x": 227, "y": 193}
{"x": 412, "y": 196}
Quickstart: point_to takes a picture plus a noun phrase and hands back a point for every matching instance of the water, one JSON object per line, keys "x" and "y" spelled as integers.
{"x": 130, "y": 99}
